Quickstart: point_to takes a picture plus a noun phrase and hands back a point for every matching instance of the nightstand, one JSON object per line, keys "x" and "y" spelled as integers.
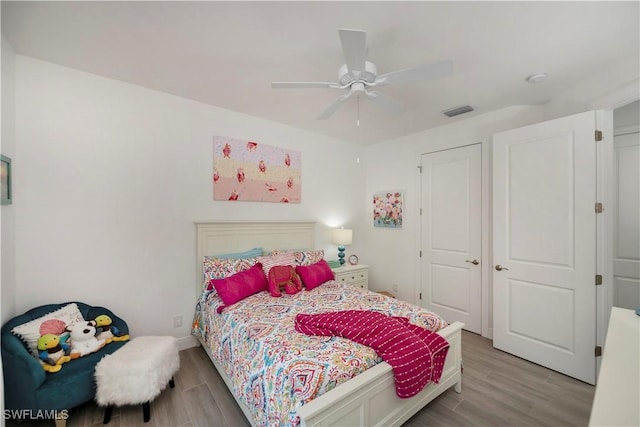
{"x": 355, "y": 275}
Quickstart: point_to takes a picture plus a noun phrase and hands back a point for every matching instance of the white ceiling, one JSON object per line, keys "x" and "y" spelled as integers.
{"x": 227, "y": 53}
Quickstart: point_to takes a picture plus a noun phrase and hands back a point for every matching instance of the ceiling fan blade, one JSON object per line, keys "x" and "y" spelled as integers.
{"x": 298, "y": 85}
{"x": 424, "y": 72}
{"x": 384, "y": 102}
{"x": 333, "y": 107}
{"x": 354, "y": 47}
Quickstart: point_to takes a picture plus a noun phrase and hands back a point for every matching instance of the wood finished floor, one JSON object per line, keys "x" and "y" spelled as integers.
{"x": 498, "y": 389}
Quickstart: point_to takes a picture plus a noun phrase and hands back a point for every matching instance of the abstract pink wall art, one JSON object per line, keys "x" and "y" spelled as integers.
{"x": 251, "y": 171}
{"x": 387, "y": 209}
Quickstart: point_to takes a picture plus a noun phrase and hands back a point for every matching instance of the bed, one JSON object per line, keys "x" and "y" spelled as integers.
{"x": 368, "y": 398}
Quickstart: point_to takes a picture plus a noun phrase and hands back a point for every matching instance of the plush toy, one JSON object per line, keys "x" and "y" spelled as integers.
{"x": 55, "y": 327}
{"x": 108, "y": 332}
{"x": 52, "y": 353}
{"x": 83, "y": 339}
{"x": 284, "y": 277}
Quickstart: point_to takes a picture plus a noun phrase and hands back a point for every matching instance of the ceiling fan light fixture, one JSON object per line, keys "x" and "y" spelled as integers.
{"x": 357, "y": 87}
{"x": 456, "y": 111}
{"x": 360, "y": 76}
{"x": 346, "y": 77}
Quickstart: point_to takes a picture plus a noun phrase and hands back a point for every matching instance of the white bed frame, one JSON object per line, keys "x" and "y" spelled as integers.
{"x": 368, "y": 399}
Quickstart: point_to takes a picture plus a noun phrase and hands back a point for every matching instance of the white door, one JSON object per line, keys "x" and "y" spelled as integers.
{"x": 544, "y": 244}
{"x": 451, "y": 235}
{"x": 626, "y": 245}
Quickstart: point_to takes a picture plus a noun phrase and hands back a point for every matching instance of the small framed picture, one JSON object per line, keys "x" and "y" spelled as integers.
{"x": 5, "y": 180}
{"x": 387, "y": 209}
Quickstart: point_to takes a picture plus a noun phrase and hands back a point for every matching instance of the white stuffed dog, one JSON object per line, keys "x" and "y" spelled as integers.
{"x": 83, "y": 339}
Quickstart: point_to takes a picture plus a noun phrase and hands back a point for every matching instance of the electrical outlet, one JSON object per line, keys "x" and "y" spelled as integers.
{"x": 177, "y": 321}
{"x": 395, "y": 288}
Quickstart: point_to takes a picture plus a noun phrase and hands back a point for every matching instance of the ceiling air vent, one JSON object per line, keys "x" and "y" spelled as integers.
{"x": 452, "y": 112}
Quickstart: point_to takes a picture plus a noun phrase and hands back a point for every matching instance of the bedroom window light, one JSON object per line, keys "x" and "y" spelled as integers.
{"x": 341, "y": 237}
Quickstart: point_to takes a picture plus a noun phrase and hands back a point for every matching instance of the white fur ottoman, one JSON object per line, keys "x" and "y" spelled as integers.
{"x": 136, "y": 373}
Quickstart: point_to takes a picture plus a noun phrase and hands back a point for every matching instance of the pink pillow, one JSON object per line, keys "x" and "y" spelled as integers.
{"x": 240, "y": 285}
{"x": 316, "y": 274}
{"x": 283, "y": 258}
{"x": 217, "y": 268}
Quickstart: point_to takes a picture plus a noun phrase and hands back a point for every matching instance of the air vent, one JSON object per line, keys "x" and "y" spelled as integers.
{"x": 452, "y": 112}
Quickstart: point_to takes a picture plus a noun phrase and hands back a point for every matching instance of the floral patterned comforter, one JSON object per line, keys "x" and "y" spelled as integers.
{"x": 275, "y": 369}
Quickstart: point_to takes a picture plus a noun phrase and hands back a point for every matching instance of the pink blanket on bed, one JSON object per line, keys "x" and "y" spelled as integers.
{"x": 416, "y": 355}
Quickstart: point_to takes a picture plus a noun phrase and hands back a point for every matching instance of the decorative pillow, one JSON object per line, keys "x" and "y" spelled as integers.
{"x": 30, "y": 332}
{"x": 251, "y": 253}
{"x": 216, "y": 268}
{"x": 281, "y": 251}
{"x": 301, "y": 256}
{"x": 284, "y": 276}
{"x": 240, "y": 285}
{"x": 284, "y": 258}
{"x": 308, "y": 257}
{"x": 316, "y": 274}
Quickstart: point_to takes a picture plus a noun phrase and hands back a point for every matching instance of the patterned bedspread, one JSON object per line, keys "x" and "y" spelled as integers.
{"x": 415, "y": 354}
{"x": 273, "y": 368}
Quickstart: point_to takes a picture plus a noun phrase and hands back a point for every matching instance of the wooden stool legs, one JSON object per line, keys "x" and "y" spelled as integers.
{"x": 146, "y": 408}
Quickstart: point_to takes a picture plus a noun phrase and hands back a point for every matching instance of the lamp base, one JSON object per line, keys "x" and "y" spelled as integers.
{"x": 341, "y": 255}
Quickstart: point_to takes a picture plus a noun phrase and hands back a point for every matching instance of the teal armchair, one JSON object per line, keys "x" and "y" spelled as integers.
{"x": 29, "y": 389}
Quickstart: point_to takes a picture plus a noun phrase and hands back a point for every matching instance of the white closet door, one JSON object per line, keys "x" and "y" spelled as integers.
{"x": 544, "y": 244}
{"x": 452, "y": 236}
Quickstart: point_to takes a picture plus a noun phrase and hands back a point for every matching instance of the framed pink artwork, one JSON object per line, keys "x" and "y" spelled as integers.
{"x": 252, "y": 171}
{"x": 387, "y": 209}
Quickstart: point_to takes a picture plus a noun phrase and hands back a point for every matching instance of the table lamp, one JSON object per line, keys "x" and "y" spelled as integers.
{"x": 341, "y": 237}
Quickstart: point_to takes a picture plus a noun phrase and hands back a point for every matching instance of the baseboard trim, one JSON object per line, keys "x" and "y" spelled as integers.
{"x": 187, "y": 342}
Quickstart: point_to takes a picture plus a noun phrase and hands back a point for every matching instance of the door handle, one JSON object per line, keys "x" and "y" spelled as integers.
{"x": 474, "y": 262}
{"x": 500, "y": 268}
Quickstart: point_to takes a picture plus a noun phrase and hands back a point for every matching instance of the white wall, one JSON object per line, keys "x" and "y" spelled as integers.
{"x": 393, "y": 254}
{"x": 393, "y": 165}
{"x": 627, "y": 118}
{"x": 112, "y": 177}
{"x": 8, "y": 217}
{"x": 593, "y": 92}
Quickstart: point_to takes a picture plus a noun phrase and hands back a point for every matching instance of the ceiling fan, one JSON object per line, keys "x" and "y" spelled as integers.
{"x": 357, "y": 76}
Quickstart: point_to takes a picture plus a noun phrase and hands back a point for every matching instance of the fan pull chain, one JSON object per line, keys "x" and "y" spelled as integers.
{"x": 358, "y": 111}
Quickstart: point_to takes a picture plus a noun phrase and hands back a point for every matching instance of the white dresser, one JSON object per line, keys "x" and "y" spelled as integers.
{"x": 617, "y": 398}
{"x": 355, "y": 275}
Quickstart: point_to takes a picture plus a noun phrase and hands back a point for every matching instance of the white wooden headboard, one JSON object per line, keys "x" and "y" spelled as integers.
{"x": 215, "y": 238}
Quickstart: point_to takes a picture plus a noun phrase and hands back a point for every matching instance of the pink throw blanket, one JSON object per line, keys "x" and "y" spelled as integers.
{"x": 416, "y": 355}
